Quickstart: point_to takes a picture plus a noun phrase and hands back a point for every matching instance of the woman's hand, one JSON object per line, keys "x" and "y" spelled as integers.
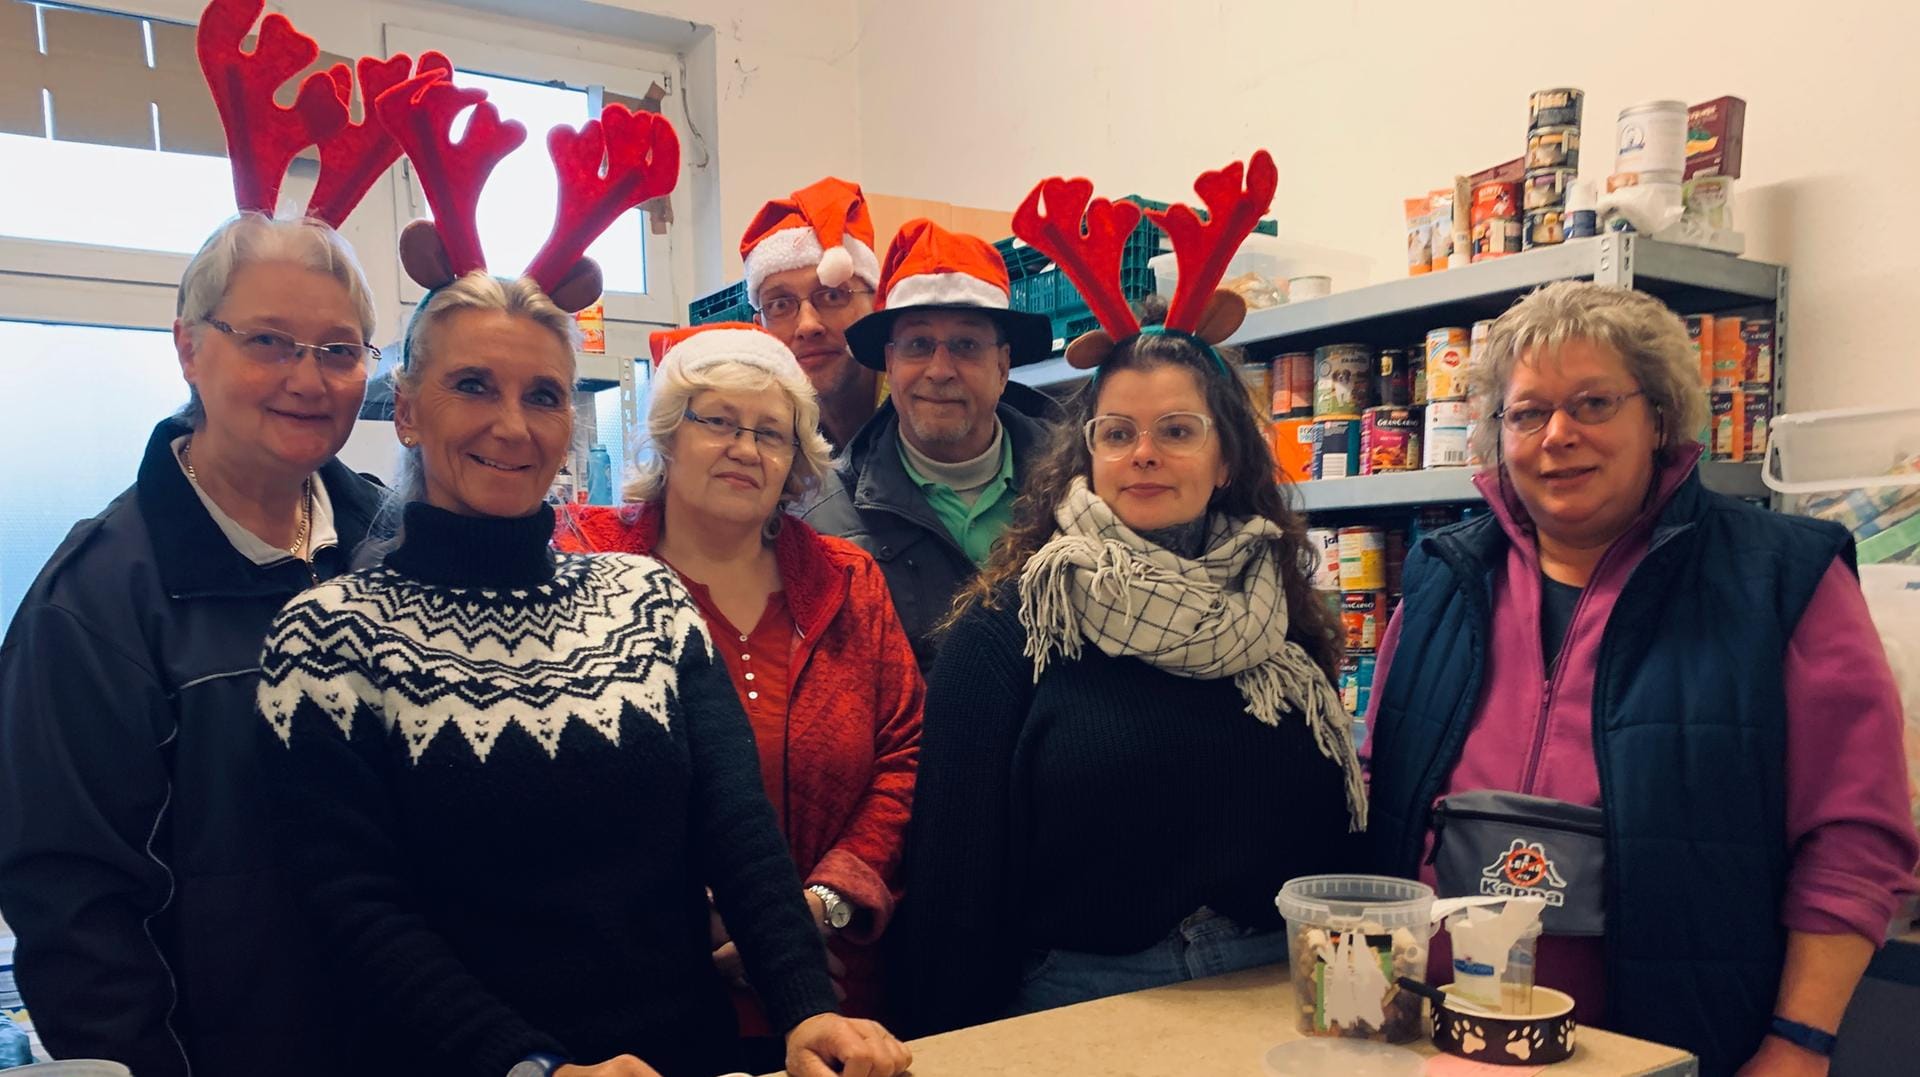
{"x": 829, "y": 1045}
{"x": 623, "y": 1066}
{"x": 1778, "y": 1058}
{"x": 726, "y": 956}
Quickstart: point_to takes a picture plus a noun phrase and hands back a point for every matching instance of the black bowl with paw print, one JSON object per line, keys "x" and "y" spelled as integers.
{"x": 1540, "y": 1038}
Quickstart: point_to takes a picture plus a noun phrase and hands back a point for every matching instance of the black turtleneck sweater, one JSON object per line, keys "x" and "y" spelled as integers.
{"x": 507, "y": 780}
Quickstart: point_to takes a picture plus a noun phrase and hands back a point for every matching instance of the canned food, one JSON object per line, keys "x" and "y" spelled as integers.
{"x": 1364, "y": 614}
{"x": 1292, "y": 379}
{"x": 1417, "y": 359}
{"x": 1343, "y": 380}
{"x": 1336, "y": 448}
{"x": 1396, "y": 378}
{"x": 1447, "y": 351}
{"x": 1292, "y": 443}
{"x": 1325, "y": 544}
{"x": 1547, "y": 188}
{"x": 1582, "y": 223}
{"x": 593, "y": 328}
{"x": 1544, "y": 229}
{"x": 1652, "y": 139}
{"x": 1259, "y": 386}
{"x": 1363, "y": 559}
{"x": 1356, "y": 683}
{"x": 1396, "y": 560}
{"x": 1389, "y": 440}
{"x": 1477, "y": 340}
{"x": 1759, "y": 406}
{"x": 1729, "y": 417}
{"x": 1553, "y": 147}
{"x": 1445, "y": 443}
{"x": 1756, "y": 340}
{"x": 1558, "y": 107}
{"x": 1729, "y": 354}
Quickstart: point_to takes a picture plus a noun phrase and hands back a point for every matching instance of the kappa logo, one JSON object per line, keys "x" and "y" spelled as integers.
{"x": 1524, "y": 870}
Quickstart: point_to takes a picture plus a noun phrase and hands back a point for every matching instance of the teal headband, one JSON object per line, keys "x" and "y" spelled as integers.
{"x": 1163, "y": 331}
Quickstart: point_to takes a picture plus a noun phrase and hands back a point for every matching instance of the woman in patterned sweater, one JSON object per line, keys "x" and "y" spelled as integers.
{"x": 510, "y": 778}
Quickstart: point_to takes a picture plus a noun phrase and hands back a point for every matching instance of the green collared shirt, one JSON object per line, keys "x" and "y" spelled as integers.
{"x": 976, "y": 526}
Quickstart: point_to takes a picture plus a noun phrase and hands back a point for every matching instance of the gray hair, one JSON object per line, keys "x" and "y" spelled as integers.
{"x": 250, "y": 238}
{"x": 674, "y": 386}
{"x": 474, "y": 291}
{"x": 1649, "y": 337}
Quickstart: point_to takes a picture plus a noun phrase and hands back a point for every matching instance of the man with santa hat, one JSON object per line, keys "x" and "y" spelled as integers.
{"x": 811, "y": 273}
{"x": 928, "y": 484}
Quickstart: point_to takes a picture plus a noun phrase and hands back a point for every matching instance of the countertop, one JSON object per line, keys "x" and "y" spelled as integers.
{"x": 1221, "y": 1026}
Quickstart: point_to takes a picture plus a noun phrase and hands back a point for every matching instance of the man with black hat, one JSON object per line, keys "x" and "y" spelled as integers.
{"x": 928, "y": 483}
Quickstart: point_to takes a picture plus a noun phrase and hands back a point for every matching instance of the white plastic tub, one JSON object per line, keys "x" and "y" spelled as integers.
{"x": 1859, "y": 467}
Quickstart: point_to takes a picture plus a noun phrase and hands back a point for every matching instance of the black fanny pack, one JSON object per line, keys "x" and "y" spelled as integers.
{"x": 1497, "y": 844}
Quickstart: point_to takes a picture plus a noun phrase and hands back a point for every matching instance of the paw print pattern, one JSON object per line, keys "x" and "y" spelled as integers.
{"x": 1523, "y": 1042}
{"x": 1471, "y": 1036}
{"x": 1564, "y": 1034}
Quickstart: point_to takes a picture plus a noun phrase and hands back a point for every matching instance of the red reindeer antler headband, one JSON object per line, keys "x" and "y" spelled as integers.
{"x": 263, "y": 137}
{"x": 607, "y": 167}
{"x": 1090, "y": 254}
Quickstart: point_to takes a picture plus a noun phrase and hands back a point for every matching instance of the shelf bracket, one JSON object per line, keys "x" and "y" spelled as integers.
{"x": 1614, "y": 262}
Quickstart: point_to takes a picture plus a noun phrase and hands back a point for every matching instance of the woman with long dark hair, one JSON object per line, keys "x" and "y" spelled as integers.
{"x": 1132, "y": 738}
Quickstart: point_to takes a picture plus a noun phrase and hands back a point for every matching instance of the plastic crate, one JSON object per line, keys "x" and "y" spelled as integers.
{"x": 1037, "y": 287}
{"x": 729, "y": 304}
{"x": 1859, "y": 467}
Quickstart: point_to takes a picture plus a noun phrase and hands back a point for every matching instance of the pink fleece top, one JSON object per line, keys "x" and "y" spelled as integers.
{"x": 1846, "y": 812}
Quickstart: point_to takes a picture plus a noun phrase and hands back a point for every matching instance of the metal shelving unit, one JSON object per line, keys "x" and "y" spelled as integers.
{"x": 1688, "y": 279}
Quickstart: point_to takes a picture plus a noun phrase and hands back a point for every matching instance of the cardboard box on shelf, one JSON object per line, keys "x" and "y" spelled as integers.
{"x": 1715, "y": 132}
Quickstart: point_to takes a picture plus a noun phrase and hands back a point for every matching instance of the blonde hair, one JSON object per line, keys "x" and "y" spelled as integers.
{"x": 474, "y": 291}
{"x": 250, "y": 238}
{"x": 1650, "y": 338}
{"x": 677, "y": 382}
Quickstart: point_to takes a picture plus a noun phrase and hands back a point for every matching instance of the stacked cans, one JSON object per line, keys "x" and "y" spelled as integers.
{"x": 1553, "y": 161}
{"x": 1390, "y": 434}
{"x": 1364, "y": 610}
{"x": 1445, "y": 443}
{"x": 1344, "y": 387}
{"x": 1291, "y": 379}
{"x": 1735, "y": 355}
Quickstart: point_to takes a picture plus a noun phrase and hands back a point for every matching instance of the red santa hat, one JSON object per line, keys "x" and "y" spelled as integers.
{"x": 824, "y": 226}
{"x": 699, "y": 345}
{"x": 930, "y": 268}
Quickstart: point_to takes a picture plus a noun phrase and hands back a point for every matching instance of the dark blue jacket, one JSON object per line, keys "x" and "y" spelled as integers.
{"x": 1689, "y": 728}
{"x": 136, "y": 865}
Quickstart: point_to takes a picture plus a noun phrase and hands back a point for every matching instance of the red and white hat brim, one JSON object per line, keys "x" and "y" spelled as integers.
{"x": 799, "y": 248}
{"x": 750, "y": 347}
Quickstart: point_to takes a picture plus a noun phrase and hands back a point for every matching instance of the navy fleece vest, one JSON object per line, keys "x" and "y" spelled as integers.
{"x": 1689, "y": 719}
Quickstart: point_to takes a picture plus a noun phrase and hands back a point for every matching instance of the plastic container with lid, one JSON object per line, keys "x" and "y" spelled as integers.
{"x": 1351, "y": 938}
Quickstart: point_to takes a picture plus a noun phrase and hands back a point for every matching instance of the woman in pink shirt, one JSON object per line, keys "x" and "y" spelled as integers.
{"x": 1684, "y": 691}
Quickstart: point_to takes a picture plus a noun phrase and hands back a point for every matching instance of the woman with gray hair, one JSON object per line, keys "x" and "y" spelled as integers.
{"x": 815, "y": 651}
{"x": 1662, "y": 709}
{"x": 508, "y": 779}
{"x": 154, "y": 928}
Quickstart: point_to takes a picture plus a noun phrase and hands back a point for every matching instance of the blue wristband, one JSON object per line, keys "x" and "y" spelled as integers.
{"x": 537, "y": 1065}
{"x": 1804, "y": 1036}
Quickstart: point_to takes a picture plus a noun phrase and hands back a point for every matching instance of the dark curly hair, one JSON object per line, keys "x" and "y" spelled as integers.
{"x": 1251, "y": 490}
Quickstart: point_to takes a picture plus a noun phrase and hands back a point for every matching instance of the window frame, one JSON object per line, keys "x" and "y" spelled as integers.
{"x": 541, "y": 61}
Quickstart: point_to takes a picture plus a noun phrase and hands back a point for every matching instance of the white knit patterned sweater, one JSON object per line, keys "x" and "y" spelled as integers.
{"x": 507, "y": 781}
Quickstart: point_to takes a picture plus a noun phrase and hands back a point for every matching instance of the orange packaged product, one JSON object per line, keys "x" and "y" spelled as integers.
{"x": 1293, "y": 449}
{"x": 1729, "y": 354}
{"x": 1700, "y": 336}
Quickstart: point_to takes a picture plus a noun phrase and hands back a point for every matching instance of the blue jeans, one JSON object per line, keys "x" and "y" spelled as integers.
{"x": 1205, "y": 944}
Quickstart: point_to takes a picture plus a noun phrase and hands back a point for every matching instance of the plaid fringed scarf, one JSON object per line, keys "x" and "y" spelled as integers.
{"x": 1223, "y": 614}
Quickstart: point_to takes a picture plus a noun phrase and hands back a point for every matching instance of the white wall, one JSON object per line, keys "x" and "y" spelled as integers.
{"x": 1364, "y": 104}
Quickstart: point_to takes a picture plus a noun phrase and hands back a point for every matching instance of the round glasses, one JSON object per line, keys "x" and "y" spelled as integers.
{"x": 1177, "y": 433}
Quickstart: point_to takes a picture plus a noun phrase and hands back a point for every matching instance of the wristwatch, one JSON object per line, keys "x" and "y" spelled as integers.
{"x": 838, "y": 912}
{"x": 537, "y": 1065}
{"x": 1805, "y": 1037}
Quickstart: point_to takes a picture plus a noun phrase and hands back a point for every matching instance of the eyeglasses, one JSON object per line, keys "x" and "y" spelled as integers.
{"x": 724, "y": 431}
{"x": 1587, "y": 409}
{"x": 1177, "y": 433}
{"x": 963, "y": 349}
{"x": 267, "y": 346}
{"x": 787, "y": 307}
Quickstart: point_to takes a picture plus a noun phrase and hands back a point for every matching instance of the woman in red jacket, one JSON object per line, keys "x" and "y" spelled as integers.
{"x": 816, "y": 652}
